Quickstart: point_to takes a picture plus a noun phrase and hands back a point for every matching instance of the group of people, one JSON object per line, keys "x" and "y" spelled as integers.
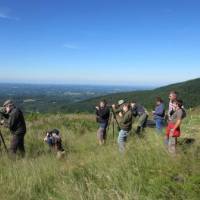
{"x": 123, "y": 113}
{"x": 13, "y": 118}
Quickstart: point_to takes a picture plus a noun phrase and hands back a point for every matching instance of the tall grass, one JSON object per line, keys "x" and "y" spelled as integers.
{"x": 145, "y": 172}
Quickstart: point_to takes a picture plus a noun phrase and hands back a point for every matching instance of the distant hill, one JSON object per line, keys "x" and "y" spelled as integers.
{"x": 47, "y": 98}
{"x": 189, "y": 91}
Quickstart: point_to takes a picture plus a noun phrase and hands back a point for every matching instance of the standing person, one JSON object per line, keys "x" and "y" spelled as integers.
{"x": 140, "y": 111}
{"x": 159, "y": 114}
{"x": 173, "y": 129}
{"x": 17, "y": 126}
{"x": 172, "y": 97}
{"x": 102, "y": 115}
{"x": 119, "y": 107}
{"x": 125, "y": 126}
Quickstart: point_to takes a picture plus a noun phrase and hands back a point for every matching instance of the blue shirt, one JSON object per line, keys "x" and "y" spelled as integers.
{"x": 159, "y": 112}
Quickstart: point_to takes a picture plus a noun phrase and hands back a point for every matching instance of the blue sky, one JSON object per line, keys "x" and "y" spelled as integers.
{"x": 122, "y": 42}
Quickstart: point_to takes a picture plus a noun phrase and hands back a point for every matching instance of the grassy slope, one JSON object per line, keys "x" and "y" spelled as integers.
{"x": 91, "y": 172}
{"x": 189, "y": 90}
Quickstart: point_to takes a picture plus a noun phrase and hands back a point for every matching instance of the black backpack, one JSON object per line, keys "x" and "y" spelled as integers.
{"x": 184, "y": 113}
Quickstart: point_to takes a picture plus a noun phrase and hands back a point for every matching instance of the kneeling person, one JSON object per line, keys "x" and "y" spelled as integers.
{"x": 139, "y": 111}
{"x": 53, "y": 139}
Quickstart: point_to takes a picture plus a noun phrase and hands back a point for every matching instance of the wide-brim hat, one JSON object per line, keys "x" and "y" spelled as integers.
{"x": 120, "y": 102}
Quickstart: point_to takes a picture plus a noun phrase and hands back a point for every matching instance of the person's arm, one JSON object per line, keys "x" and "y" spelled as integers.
{"x": 159, "y": 111}
{"x": 12, "y": 120}
{"x": 178, "y": 123}
{"x": 126, "y": 118}
{"x": 97, "y": 111}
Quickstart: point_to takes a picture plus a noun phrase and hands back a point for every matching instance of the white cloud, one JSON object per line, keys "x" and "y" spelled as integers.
{"x": 71, "y": 46}
{"x": 5, "y": 13}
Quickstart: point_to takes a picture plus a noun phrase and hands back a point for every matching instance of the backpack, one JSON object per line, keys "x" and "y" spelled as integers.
{"x": 184, "y": 113}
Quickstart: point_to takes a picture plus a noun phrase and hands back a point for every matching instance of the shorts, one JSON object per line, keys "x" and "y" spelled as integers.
{"x": 177, "y": 131}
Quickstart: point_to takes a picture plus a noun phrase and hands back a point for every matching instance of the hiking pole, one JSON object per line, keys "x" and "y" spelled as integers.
{"x": 113, "y": 125}
{"x": 3, "y": 141}
{"x": 109, "y": 121}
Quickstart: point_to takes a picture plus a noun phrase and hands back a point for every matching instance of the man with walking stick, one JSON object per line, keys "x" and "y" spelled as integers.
{"x": 17, "y": 127}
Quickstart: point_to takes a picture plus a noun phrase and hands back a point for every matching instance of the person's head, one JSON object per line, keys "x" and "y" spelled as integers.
{"x": 159, "y": 100}
{"x": 55, "y": 131}
{"x": 121, "y": 102}
{"x": 126, "y": 107}
{"x": 8, "y": 105}
{"x": 102, "y": 103}
{"x": 173, "y": 95}
{"x": 178, "y": 103}
{"x": 133, "y": 103}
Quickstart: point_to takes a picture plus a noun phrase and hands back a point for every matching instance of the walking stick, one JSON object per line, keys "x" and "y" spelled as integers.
{"x": 113, "y": 124}
{"x": 3, "y": 141}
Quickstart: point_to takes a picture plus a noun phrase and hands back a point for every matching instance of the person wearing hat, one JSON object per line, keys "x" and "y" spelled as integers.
{"x": 139, "y": 111}
{"x": 17, "y": 126}
{"x": 119, "y": 107}
{"x": 125, "y": 119}
{"x": 116, "y": 109}
{"x": 3, "y": 117}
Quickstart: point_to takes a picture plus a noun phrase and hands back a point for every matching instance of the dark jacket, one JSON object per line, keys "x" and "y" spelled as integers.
{"x": 138, "y": 110}
{"x": 16, "y": 122}
{"x": 126, "y": 121}
{"x": 159, "y": 112}
{"x": 103, "y": 115}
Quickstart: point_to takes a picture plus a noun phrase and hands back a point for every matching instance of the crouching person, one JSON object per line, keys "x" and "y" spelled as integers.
{"x": 17, "y": 126}
{"x": 139, "y": 111}
{"x": 125, "y": 126}
{"x": 53, "y": 139}
{"x": 173, "y": 129}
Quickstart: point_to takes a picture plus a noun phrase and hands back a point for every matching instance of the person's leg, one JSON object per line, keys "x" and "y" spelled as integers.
{"x": 141, "y": 123}
{"x": 138, "y": 129}
{"x": 172, "y": 145}
{"x": 21, "y": 145}
{"x": 122, "y": 140}
{"x": 159, "y": 125}
{"x": 104, "y": 135}
{"x": 166, "y": 139}
{"x": 145, "y": 121}
{"x": 104, "y": 126}
{"x": 13, "y": 144}
{"x": 100, "y": 133}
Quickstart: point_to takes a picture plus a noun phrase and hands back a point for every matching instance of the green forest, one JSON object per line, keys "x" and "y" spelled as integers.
{"x": 188, "y": 91}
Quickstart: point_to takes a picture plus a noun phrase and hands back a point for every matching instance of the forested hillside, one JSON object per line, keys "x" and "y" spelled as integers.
{"x": 189, "y": 91}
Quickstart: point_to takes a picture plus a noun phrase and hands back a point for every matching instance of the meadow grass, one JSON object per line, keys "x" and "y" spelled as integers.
{"x": 145, "y": 172}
